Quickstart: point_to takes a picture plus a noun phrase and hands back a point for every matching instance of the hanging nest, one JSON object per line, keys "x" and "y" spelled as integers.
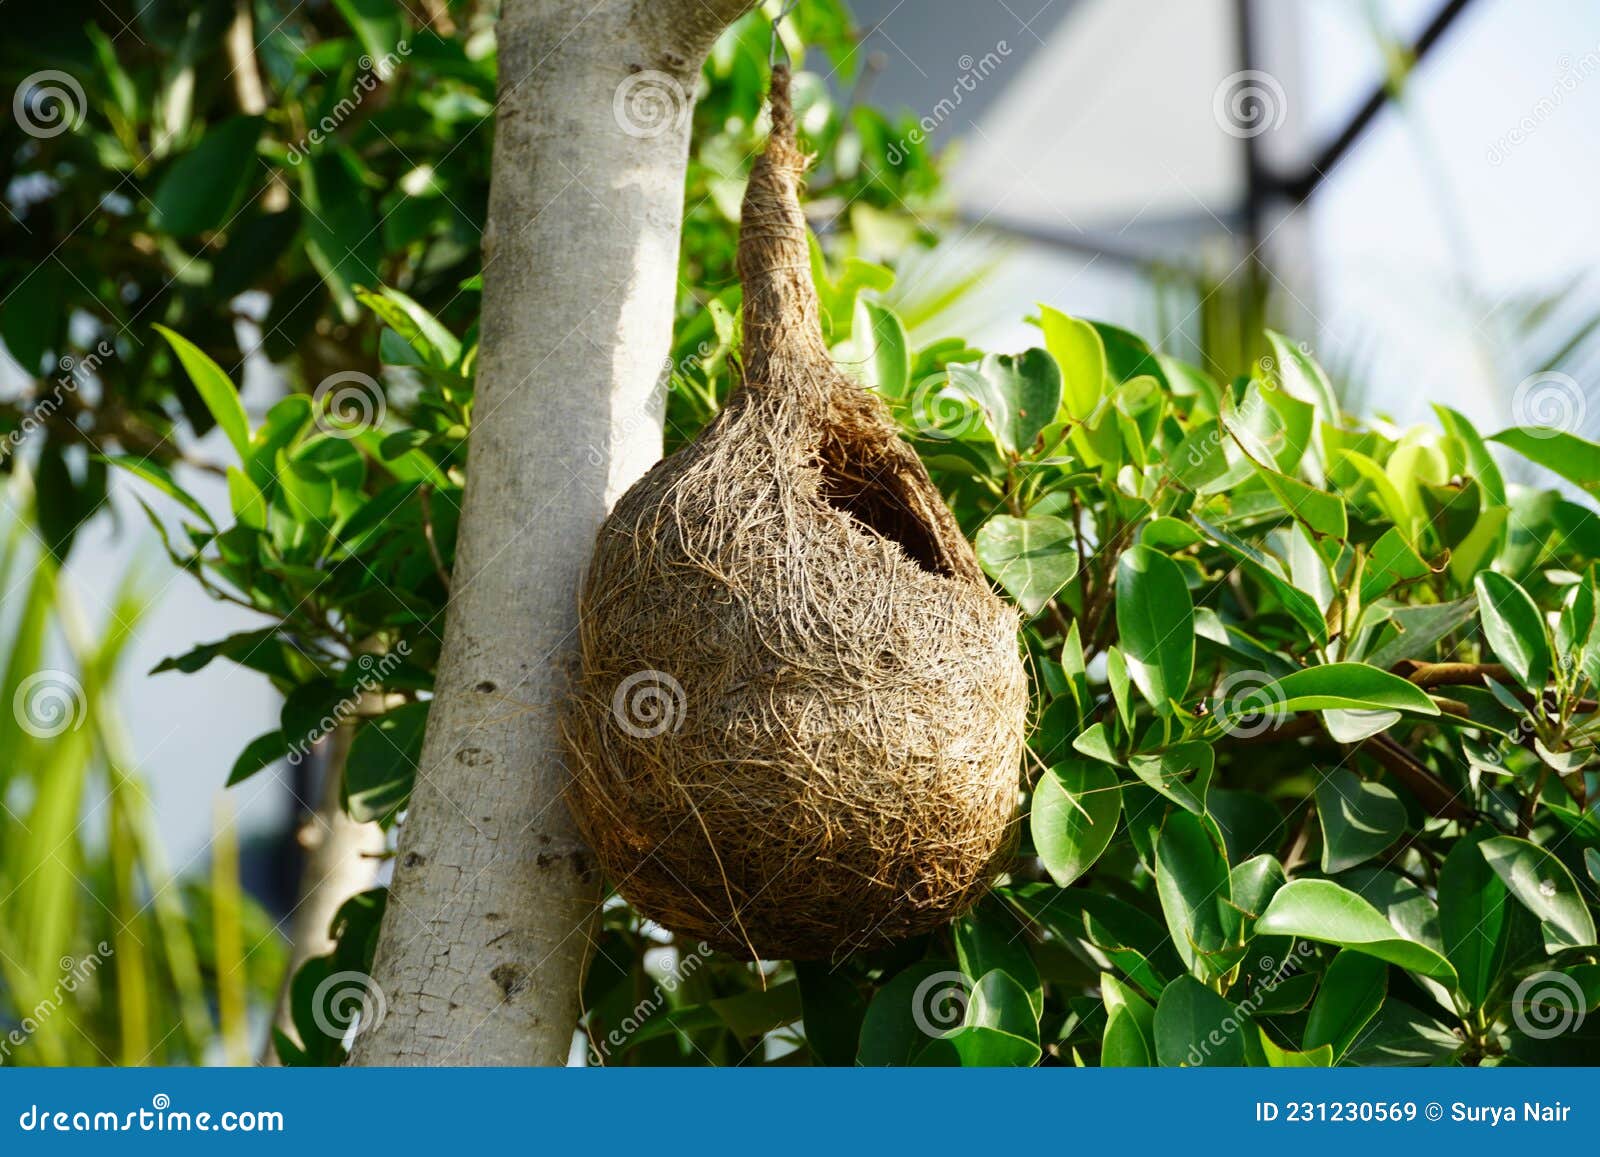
{"x": 799, "y": 719}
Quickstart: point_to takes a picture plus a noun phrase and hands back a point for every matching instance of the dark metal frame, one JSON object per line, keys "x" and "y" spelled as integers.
{"x": 1263, "y": 187}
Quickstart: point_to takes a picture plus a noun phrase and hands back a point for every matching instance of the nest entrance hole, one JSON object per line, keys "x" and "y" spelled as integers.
{"x": 874, "y": 500}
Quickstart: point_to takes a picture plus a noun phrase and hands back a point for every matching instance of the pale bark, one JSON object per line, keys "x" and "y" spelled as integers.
{"x": 341, "y": 860}
{"x": 485, "y": 935}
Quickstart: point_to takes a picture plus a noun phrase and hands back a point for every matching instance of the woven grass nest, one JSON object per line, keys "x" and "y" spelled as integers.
{"x": 798, "y": 722}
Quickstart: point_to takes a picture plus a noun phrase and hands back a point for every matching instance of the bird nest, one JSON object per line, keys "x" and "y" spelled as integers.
{"x": 799, "y": 717}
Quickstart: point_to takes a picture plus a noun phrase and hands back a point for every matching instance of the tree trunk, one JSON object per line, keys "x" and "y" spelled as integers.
{"x": 484, "y": 940}
{"x": 341, "y": 860}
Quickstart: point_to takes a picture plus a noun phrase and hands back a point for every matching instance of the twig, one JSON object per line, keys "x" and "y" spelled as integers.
{"x": 1429, "y": 790}
{"x": 426, "y": 493}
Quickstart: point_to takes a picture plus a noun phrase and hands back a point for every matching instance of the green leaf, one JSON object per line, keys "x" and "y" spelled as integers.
{"x": 1001, "y": 1026}
{"x": 925, "y": 1000}
{"x": 343, "y": 241}
{"x": 1472, "y": 917}
{"x": 1352, "y": 991}
{"x": 260, "y": 650}
{"x": 1075, "y": 809}
{"x": 422, "y": 332}
{"x": 1032, "y": 558}
{"x": 1545, "y": 887}
{"x": 1576, "y": 460}
{"x": 1576, "y": 637}
{"x": 215, "y": 389}
{"x": 1417, "y": 629}
{"x": 1479, "y": 464}
{"x": 1320, "y": 1057}
{"x": 1332, "y": 687}
{"x": 1321, "y": 513}
{"x": 1201, "y": 463}
{"x": 880, "y": 339}
{"x": 382, "y": 764}
{"x": 260, "y": 752}
{"x": 1515, "y": 629}
{"x": 832, "y": 1008}
{"x": 755, "y": 1013}
{"x": 1121, "y": 694}
{"x": 249, "y": 506}
{"x": 1182, "y": 773}
{"x": 1323, "y": 911}
{"x": 1301, "y": 377}
{"x": 1020, "y": 393}
{"x": 201, "y": 189}
{"x": 1122, "y": 1045}
{"x": 1080, "y": 353}
{"x": 1196, "y": 1027}
{"x": 1390, "y": 562}
{"x": 1359, "y": 819}
{"x": 1129, "y": 1038}
{"x": 991, "y": 939}
{"x": 1452, "y": 510}
{"x": 1400, "y": 1035}
{"x": 1155, "y": 625}
{"x": 1193, "y": 884}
